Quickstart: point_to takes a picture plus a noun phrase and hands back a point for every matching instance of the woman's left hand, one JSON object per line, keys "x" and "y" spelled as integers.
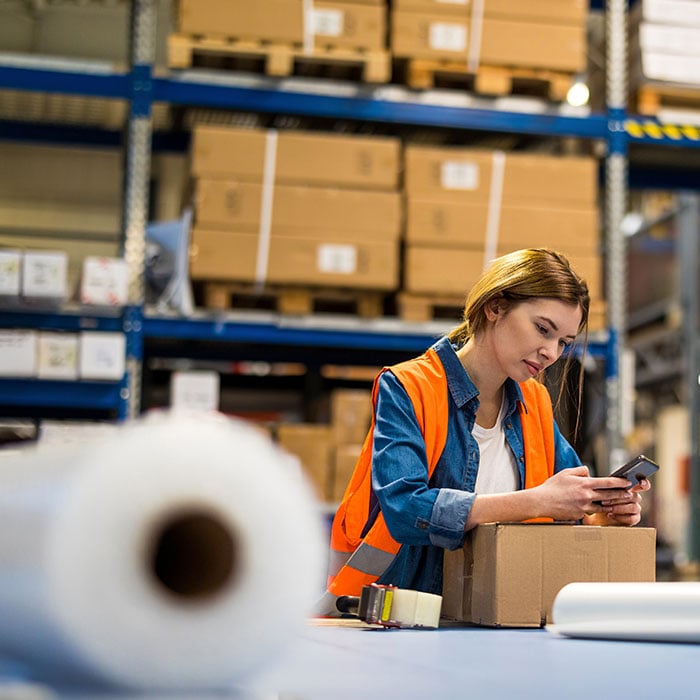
{"x": 626, "y": 510}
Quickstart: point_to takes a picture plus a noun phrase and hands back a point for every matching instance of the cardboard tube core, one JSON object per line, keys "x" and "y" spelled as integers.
{"x": 194, "y": 555}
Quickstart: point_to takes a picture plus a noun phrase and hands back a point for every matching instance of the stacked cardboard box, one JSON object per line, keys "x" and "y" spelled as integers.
{"x": 665, "y": 51}
{"x": 296, "y": 208}
{"x": 465, "y": 206}
{"x": 354, "y": 24}
{"x": 328, "y": 452}
{"x": 547, "y": 34}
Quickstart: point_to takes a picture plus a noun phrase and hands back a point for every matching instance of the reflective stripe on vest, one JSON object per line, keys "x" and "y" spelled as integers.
{"x": 426, "y": 385}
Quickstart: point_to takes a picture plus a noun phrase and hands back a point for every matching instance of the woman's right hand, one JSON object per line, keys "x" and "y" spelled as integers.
{"x": 573, "y": 493}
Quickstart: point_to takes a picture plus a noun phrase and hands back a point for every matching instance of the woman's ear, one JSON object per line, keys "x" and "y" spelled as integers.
{"x": 493, "y": 308}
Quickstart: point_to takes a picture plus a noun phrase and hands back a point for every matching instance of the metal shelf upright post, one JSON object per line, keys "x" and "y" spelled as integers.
{"x": 616, "y": 193}
{"x": 136, "y": 187}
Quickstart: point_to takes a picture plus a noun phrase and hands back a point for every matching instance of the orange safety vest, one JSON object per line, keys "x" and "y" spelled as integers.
{"x": 357, "y": 561}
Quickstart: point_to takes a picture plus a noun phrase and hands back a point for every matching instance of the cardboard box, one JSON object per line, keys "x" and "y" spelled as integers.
{"x": 359, "y": 162}
{"x": 58, "y": 355}
{"x": 312, "y": 212}
{"x": 685, "y": 13}
{"x": 102, "y": 355}
{"x": 44, "y": 275}
{"x": 529, "y": 179}
{"x": 311, "y": 443}
{"x": 10, "y": 272}
{"x": 105, "y": 281}
{"x": 459, "y": 225}
{"x": 348, "y": 25}
{"x": 195, "y": 390}
{"x": 350, "y": 414}
{"x": 441, "y": 271}
{"x": 233, "y": 256}
{"x": 345, "y": 460}
{"x": 508, "y": 575}
{"x": 503, "y": 42}
{"x": 18, "y": 353}
{"x": 565, "y": 11}
{"x": 272, "y": 20}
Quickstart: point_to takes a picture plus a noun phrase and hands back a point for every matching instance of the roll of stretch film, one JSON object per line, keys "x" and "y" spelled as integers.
{"x": 181, "y": 551}
{"x": 664, "y": 611}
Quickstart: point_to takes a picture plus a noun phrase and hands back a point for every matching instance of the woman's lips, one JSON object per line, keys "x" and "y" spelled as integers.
{"x": 533, "y": 367}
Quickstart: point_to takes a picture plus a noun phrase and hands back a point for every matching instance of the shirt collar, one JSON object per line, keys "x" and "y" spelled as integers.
{"x": 460, "y": 384}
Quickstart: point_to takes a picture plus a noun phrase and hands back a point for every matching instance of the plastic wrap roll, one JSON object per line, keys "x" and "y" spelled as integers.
{"x": 668, "y": 611}
{"x": 180, "y": 552}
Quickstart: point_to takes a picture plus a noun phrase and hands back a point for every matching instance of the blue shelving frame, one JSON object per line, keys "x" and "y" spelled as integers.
{"x": 386, "y": 104}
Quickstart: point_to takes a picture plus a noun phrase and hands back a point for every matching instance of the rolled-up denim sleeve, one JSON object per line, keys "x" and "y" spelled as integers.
{"x": 414, "y": 513}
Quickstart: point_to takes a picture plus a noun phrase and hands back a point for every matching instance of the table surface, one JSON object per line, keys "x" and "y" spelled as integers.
{"x": 351, "y": 662}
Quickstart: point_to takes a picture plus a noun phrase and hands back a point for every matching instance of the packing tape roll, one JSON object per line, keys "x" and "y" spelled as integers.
{"x": 182, "y": 551}
{"x": 415, "y": 608}
{"x": 667, "y": 611}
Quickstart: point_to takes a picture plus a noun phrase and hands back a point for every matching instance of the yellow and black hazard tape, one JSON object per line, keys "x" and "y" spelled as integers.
{"x": 656, "y": 130}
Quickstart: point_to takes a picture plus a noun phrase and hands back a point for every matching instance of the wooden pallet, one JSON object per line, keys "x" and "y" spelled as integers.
{"x": 429, "y": 307}
{"x": 425, "y": 74}
{"x": 275, "y": 59}
{"x": 652, "y": 98}
{"x": 297, "y": 301}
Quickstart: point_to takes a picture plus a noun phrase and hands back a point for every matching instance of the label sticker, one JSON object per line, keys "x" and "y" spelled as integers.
{"x": 339, "y": 259}
{"x": 448, "y": 37}
{"x": 456, "y": 175}
{"x": 327, "y": 22}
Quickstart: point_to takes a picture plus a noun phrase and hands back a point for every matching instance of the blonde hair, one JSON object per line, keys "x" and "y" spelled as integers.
{"x": 531, "y": 273}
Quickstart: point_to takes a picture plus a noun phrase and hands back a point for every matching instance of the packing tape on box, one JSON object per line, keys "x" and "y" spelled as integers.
{"x": 308, "y": 20}
{"x": 493, "y": 219}
{"x": 666, "y": 611}
{"x": 266, "y": 203}
{"x": 476, "y": 24}
{"x": 179, "y": 552}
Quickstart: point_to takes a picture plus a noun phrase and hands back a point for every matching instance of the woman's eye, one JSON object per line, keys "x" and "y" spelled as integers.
{"x": 541, "y": 329}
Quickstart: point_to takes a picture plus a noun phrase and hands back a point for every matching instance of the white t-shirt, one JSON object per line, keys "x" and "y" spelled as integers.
{"x": 498, "y": 471}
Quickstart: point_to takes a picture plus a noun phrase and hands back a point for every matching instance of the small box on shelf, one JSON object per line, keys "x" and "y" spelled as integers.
{"x": 104, "y": 281}
{"x": 45, "y": 276}
{"x": 102, "y": 355}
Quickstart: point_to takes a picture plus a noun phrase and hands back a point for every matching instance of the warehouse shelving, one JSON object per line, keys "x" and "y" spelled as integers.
{"x": 141, "y": 87}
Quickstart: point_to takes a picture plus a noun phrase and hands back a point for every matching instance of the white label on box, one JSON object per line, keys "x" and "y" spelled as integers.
{"x": 10, "y": 264}
{"x": 102, "y": 355}
{"x": 447, "y": 37}
{"x": 105, "y": 282}
{"x": 454, "y": 2}
{"x": 327, "y": 22}
{"x": 18, "y": 350}
{"x": 339, "y": 259}
{"x": 44, "y": 275}
{"x": 58, "y": 356}
{"x": 194, "y": 391}
{"x": 458, "y": 175}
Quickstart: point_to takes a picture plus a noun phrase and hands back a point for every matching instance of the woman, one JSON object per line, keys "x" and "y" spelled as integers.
{"x": 464, "y": 434}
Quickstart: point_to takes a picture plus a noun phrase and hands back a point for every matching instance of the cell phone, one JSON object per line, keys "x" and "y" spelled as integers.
{"x": 641, "y": 467}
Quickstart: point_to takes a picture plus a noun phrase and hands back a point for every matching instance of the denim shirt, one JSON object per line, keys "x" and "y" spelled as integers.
{"x": 428, "y": 517}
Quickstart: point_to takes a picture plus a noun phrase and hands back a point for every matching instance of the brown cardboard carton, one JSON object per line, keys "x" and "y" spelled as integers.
{"x": 457, "y": 224}
{"x": 503, "y": 42}
{"x": 272, "y": 20}
{"x": 313, "y": 212}
{"x": 529, "y": 179}
{"x": 359, "y": 162}
{"x": 349, "y": 25}
{"x": 508, "y": 574}
{"x": 566, "y": 11}
{"x": 346, "y": 457}
{"x": 441, "y": 271}
{"x": 311, "y": 443}
{"x": 351, "y": 415}
{"x": 233, "y": 256}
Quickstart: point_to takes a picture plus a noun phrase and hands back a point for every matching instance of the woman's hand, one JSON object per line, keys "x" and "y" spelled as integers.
{"x": 622, "y": 510}
{"x": 572, "y": 494}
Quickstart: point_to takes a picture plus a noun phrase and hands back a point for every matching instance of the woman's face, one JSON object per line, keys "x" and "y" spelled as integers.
{"x": 531, "y": 335}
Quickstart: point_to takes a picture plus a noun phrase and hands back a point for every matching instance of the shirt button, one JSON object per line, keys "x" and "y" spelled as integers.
{"x": 509, "y": 426}
{"x": 522, "y": 458}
